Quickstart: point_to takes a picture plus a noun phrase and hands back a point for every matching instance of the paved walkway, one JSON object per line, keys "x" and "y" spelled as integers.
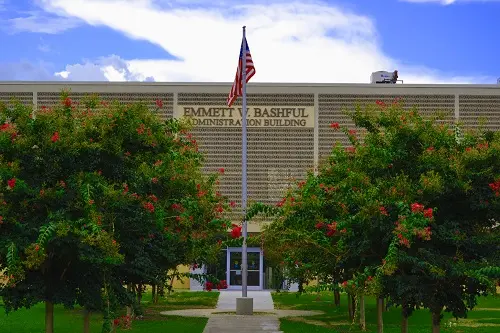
{"x": 262, "y": 300}
{"x": 264, "y": 320}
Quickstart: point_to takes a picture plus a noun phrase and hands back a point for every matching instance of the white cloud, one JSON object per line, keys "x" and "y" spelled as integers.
{"x": 41, "y": 23}
{"x": 290, "y": 42}
{"x": 111, "y": 68}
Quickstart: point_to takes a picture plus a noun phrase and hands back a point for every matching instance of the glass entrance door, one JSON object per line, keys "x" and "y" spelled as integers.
{"x": 234, "y": 272}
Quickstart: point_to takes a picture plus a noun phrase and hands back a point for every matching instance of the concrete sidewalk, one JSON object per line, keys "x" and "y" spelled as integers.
{"x": 262, "y": 300}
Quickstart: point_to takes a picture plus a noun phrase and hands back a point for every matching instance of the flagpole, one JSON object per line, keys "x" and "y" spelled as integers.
{"x": 244, "y": 261}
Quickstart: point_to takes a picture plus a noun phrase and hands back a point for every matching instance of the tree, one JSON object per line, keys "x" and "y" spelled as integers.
{"x": 97, "y": 196}
{"x": 408, "y": 211}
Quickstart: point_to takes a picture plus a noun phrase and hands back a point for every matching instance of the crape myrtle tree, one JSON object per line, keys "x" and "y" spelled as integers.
{"x": 410, "y": 213}
{"x": 97, "y": 200}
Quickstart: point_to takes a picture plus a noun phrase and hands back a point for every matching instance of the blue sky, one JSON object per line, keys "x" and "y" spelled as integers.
{"x": 428, "y": 41}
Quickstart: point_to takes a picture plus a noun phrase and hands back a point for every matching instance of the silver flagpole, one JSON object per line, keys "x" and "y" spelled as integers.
{"x": 244, "y": 261}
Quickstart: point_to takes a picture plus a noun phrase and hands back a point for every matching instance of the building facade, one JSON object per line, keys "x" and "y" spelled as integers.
{"x": 288, "y": 129}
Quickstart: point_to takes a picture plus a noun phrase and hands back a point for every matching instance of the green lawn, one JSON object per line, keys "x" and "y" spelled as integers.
{"x": 32, "y": 320}
{"x": 484, "y": 319}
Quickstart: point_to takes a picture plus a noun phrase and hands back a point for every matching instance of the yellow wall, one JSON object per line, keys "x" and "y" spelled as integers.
{"x": 182, "y": 283}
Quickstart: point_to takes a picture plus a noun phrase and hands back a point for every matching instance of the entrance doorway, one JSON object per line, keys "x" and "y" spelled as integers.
{"x": 255, "y": 268}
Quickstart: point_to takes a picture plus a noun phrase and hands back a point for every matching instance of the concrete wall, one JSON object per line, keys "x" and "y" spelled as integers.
{"x": 276, "y": 154}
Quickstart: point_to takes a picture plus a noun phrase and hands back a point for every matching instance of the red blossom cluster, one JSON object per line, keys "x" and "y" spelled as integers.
{"x": 140, "y": 129}
{"x": 330, "y": 229}
{"x": 159, "y": 103}
{"x": 383, "y": 211}
{"x": 124, "y": 322}
{"x": 495, "y": 187}
{"x": 55, "y": 137}
{"x": 335, "y": 125}
{"x": 424, "y": 234}
{"x": 209, "y": 286}
{"x": 222, "y": 285}
{"x": 380, "y": 103}
{"x": 417, "y": 208}
{"x": 177, "y": 207}
{"x": 236, "y": 231}
{"x": 67, "y": 102}
{"x": 149, "y": 206}
{"x": 350, "y": 150}
{"x": 11, "y": 183}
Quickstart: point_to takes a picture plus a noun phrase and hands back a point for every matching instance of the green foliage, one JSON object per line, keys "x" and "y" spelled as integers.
{"x": 410, "y": 210}
{"x": 95, "y": 196}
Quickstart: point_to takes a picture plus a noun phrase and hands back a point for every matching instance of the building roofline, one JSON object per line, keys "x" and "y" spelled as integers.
{"x": 256, "y": 84}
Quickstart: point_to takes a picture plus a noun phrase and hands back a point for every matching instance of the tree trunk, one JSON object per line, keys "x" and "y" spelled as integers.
{"x": 153, "y": 293}
{"x": 380, "y": 317}
{"x": 49, "y": 317}
{"x": 362, "y": 319}
{"x": 139, "y": 293}
{"x": 404, "y": 321}
{"x": 436, "y": 320}
{"x": 349, "y": 307}
{"x": 336, "y": 295}
{"x": 129, "y": 308}
{"x": 86, "y": 321}
{"x": 384, "y": 308}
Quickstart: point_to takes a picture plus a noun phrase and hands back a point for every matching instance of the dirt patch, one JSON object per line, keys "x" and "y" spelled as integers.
{"x": 318, "y": 322}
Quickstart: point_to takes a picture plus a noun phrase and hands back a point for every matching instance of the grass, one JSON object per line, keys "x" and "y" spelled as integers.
{"x": 484, "y": 319}
{"x": 33, "y": 320}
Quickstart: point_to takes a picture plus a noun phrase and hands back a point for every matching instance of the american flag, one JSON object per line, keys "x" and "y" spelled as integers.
{"x": 237, "y": 88}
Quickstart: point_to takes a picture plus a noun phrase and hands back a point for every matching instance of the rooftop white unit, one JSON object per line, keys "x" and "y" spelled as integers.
{"x": 384, "y": 77}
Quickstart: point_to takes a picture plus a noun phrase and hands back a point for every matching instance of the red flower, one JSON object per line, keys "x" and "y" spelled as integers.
{"x": 11, "y": 183}
{"x": 236, "y": 232}
{"x": 383, "y": 211}
{"x": 344, "y": 284}
{"x": 159, "y": 103}
{"x": 153, "y": 198}
{"x": 343, "y": 231}
{"x": 232, "y": 204}
{"x": 430, "y": 149}
{"x": 380, "y": 103}
{"x": 335, "y": 125}
{"x": 91, "y": 202}
{"x": 221, "y": 170}
{"x": 149, "y": 206}
{"x": 154, "y": 180}
{"x": 352, "y": 132}
{"x": 5, "y": 127}
{"x": 67, "y": 102}
{"x": 350, "y": 149}
{"x": 209, "y": 286}
{"x": 140, "y": 129}
{"x": 320, "y": 225}
{"x": 158, "y": 163}
{"x": 55, "y": 137}
{"x": 428, "y": 213}
{"x": 416, "y": 207}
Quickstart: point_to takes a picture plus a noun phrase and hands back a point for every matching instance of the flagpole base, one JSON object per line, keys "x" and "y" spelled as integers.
{"x": 244, "y": 306}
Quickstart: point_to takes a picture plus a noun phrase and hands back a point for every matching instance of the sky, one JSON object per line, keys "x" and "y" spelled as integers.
{"x": 330, "y": 41}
